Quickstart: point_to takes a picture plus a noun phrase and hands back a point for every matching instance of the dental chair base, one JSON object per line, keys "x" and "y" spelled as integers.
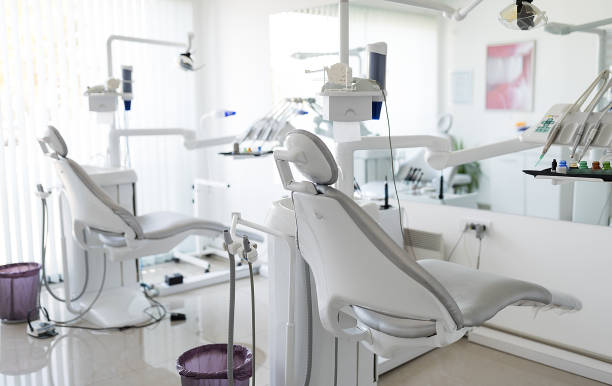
{"x": 121, "y": 306}
{"x": 334, "y": 361}
{"x": 122, "y": 301}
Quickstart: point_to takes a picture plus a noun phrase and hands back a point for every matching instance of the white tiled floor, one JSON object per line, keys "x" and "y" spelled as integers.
{"x": 148, "y": 356}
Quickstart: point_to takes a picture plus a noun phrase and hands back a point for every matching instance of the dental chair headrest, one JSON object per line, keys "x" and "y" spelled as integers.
{"x": 53, "y": 140}
{"x": 314, "y": 160}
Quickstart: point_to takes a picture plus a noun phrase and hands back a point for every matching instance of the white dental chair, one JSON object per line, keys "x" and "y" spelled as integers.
{"x": 360, "y": 271}
{"x": 123, "y": 235}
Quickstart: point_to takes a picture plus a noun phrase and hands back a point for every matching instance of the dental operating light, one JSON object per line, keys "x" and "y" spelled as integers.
{"x": 520, "y": 15}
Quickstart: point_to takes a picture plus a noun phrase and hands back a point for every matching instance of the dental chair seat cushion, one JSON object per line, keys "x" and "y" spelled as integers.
{"x": 478, "y": 294}
{"x": 481, "y": 295}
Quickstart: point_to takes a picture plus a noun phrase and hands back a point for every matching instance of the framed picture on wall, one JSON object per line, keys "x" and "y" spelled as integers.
{"x": 510, "y": 76}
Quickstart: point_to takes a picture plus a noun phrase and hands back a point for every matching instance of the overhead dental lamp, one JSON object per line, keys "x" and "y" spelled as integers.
{"x": 522, "y": 15}
{"x": 519, "y": 15}
{"x": 185, "y": 59}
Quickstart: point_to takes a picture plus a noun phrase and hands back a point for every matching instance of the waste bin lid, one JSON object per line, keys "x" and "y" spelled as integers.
{"x": 210, "y": 362}
{"x": 19, "y": 270}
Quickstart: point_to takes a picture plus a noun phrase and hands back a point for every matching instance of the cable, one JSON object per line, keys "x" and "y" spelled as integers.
{"x": 450, "y": 255}
{"x": 479, "y": 250}
{"x": 155, "y": 320}
{"x": 232, "y": 301}
{"x": 399, "y": 206}
{"x": 252, "y": 314}
{"x": 64, "y": 324}
{"x": 79, "y": 316}
{"x": 309, "y": 323}
{"x": 128, "y": 157}
{"x": 44, "y": 240}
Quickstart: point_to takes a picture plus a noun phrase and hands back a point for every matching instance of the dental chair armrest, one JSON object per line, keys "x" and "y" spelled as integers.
{"x": 335, "y": 320}
{"x": 85, "y": 236}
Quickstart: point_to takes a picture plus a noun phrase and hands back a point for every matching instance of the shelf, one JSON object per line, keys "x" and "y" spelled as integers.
{"x": 562, "y": 178}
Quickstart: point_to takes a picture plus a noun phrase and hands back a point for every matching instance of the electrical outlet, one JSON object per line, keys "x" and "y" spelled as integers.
{"x": 472, "y": 222}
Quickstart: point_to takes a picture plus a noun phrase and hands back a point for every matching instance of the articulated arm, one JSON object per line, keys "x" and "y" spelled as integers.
{"x": 439, "y": 152}
{"x": 189, "y": 136}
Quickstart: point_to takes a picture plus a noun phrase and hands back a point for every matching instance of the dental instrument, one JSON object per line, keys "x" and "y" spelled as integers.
{"x": 579, "y": 131}
{"x": 553, "y": 132}
{"x": 594, "y": 131}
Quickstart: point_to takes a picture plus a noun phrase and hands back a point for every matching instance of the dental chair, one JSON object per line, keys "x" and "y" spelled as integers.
{"x": 123, "y": 235}
{"x": 392, "y": 300}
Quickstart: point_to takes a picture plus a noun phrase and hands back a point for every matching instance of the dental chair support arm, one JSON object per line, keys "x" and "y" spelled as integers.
{"x": 189, "y": 136}
{"x": 439, "y": 154}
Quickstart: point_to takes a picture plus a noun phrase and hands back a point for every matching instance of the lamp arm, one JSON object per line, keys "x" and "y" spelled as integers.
{"x": 587, "y": 27}
{"x": 463, "y": 12}
{"x": 112, "y": 38}
{"x": 447, "y": 11}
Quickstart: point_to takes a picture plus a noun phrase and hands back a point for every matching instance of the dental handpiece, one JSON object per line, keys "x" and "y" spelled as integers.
{"x": 589, "y": 110}
{"x": 554, "y": 132}
{"x": 593, "y": 131}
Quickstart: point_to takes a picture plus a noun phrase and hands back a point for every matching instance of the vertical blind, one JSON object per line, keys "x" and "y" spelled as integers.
{"x": 50, "y": 51}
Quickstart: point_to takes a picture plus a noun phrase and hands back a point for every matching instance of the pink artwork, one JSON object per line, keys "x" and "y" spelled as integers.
{"x": 510, "y": 76}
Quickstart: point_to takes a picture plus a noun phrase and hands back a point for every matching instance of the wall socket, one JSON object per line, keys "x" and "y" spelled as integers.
{"x": 468, "y": 221}
{"x": 478, "y": 225}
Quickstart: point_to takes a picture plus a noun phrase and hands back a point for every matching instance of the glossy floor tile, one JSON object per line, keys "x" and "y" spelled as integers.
{"x": 468, "y": 364}
{"x": 148, "y": 356}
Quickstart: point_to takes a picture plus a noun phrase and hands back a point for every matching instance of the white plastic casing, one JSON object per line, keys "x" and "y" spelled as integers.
{"x": 350, "y": 108}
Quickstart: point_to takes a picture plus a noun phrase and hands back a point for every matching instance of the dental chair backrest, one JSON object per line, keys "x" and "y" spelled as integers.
{"x": 353, "y": 261}
{"x": 91, "y": 208}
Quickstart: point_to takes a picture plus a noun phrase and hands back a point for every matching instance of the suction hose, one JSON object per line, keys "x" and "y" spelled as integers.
{"x": 230, "y": 333}
{"x": 43, "y": 252}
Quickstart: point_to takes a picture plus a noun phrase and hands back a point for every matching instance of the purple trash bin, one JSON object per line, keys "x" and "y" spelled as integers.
{"x": 19, "y": 286}
{"x": 207, "y": 366}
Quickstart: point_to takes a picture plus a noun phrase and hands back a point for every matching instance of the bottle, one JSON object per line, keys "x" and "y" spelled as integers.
{"x": 562, "y": 167}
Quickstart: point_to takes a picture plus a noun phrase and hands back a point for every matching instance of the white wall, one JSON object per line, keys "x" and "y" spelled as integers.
{"x": 564, "y": 66}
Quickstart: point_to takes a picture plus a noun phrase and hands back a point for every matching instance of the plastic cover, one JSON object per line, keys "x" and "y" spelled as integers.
{"x": 207, "y": 366}
{"x": 19, "y": 286}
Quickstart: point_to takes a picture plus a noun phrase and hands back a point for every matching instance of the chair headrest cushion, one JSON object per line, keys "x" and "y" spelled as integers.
{"x": 54, "y": 140}
{"x": 318, "y": 164}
